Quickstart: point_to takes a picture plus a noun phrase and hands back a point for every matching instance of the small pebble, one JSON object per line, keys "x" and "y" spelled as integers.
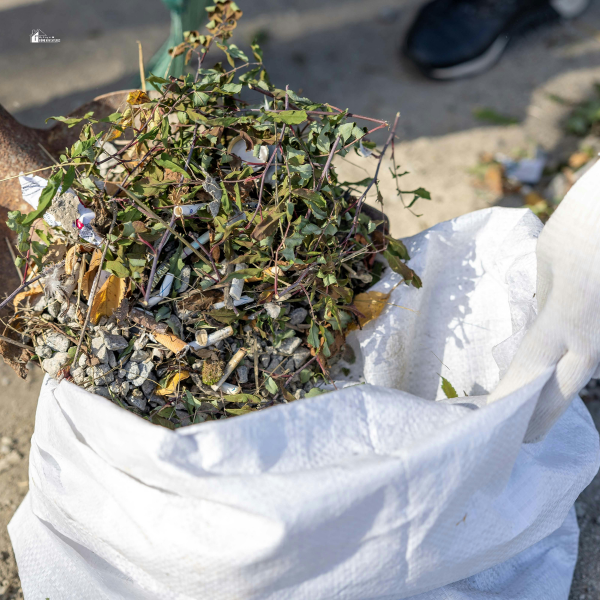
{"x": 145, "y": 369}
{"x": 299, "y": 394}
{"x": 56, "y": 341}
{"x": 139, "y": 356}
{"x": 132, "y": 370}
{"x": 242, "y": 374}
{"x": 264, "y": 359}
{"x": 100, "y": 374}
{"x": 43, "y": 351}
{"x": 101, "y": 390}
{"x": 297, "y": 316}
{"x": 289, "y": 346}
{"x": 141, "y": 342}
{"x": 78, "y": 375}
{"x": 53, "y": 365}
{"x": 300, "y": 357}
{"x": 148, "y": 387}
{"x": 115, "y": 342}
{"x": 83, "y": 361}
{"x": 275, "y": 361}
{"x": 137, "y": 399}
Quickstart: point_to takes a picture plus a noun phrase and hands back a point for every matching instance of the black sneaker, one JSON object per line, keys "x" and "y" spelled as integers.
{"x": 457, "y": 38}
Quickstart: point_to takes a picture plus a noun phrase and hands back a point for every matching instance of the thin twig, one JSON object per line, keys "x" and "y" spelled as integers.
{"x": 19, "y": 289}
{"x": 364, "y": 194}
{"x": 15, "y": 343}
{"x": 328, "y": 163}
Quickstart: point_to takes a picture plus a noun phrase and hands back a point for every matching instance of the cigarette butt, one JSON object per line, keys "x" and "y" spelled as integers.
{"x": 235, "y": 360}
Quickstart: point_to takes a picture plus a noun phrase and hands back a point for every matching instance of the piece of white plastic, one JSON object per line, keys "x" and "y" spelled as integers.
{"x": 385, "y": 490}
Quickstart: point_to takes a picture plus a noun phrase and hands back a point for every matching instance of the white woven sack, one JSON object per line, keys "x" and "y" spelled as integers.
{"x": 374, "y": 491}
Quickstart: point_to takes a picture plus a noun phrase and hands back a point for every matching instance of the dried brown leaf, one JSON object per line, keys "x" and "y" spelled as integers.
{"x": 108, "y": 298}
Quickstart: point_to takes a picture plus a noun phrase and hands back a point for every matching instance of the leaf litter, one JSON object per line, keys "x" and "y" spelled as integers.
{"x": 194, "y": 255}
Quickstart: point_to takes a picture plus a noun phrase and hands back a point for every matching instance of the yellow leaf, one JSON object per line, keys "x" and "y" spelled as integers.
{"x": 172, "y": 385}
{"x": 170, "y": 341}
{"x": 34, "y": 291}
{"x": 370, "y": 304}
{"x": 137, "y": 97}
{"x": 88, "y": 278}
{"x": 108, "y": 298}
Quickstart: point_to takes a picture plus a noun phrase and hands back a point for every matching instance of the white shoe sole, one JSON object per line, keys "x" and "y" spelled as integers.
{"x": 475, "y": 66}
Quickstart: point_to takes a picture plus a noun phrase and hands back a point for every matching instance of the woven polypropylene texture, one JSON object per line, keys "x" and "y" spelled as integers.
{"x": 376, "y": 491}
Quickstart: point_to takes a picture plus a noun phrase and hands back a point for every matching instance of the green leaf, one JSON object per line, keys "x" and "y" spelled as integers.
{"x": 68, "y": 178}
{"x": 313, "y": 336}
{"x": 232, "y": 88}
{"x": 314, "y": 392}
{"x": 116, "y": 267}
{"x": 200, "y": 99}
{"x": 70, "y": 121}
{"x": 397, "y": 247}
{"x": 224, "y": 315}
{"x": 448, "y": 389}
{"x": 271, "y": 385}
{"x": 238, "y": 198}
{"x": 237, "y": 53}
{"x": 305, "y": 375}
{"x": 289, "y": 117}
{"x": 168, "y": 162}
{"x": 46, "y": 198}
{"x": 243, "y": 274}
{"x": 239, "y": 398}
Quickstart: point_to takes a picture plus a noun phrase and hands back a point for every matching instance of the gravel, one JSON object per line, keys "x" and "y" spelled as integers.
{"x": 300, "y": 357}
{"x": 114, "y": 342}
{"x": 289, "y": 346}
{"x": 242, "y": 374}
{"x": 43, "y": 351}
{"x": 137, "y": 399}
{"x": 101, "y": 374}
{"x": 53, "y": 365}
{"x": 56, "y": 341}
{"x": 144, "y": 369}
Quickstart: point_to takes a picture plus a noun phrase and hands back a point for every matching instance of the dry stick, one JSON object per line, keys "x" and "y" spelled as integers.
{"x": 364, "y": 194}
{"x": 94, "y": 286}
{"x": 15, "y": 343}
{"x": 19, "y": 289}
{"x": 43, "y": 169}
{"x": 328, "y": 163}
{"x": 141, "y": 61}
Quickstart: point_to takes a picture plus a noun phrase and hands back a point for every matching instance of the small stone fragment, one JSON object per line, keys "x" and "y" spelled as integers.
{"x": 100, "y": 374}
{"x": 139, "y": 356}
{"x": 56, "y": 341}
{"x": 273, "y": 309}
{"x": 78, "y": 375}
{"x": 101, "y": 390}
{"x": 132, "y": 370}
{"x": 141, "y": 342}
{"x": 53, "y": 365}
{"x": 115, "y": 342}
{"x": 148, "y": 387}
{"x": 145, "y": 369}
{"x": 275, "y": 361}
{"x": 242, "y": 374}
{"x": 265, "y": 359}
{"x": 289, "y": 345}
{"x": 99, "y": 349}
{"x": 300, "y": 357}
{"x": 112, "y": 361}
{"x": 299, "y": 394}
{"x": 83, "y": 361}
{"x": 137, "y": 399}
{"x": 297, "y": 316}
{"x": 43, "y": 351}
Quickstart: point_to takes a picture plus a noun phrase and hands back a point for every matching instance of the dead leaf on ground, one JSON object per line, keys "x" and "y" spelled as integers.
{"x": 88, "y": 278}
{"x": 173, "y": 383}
{"x": 108, "y": 298}
{"x": 36, "y": 290}
{"x": 578, "y": 159}
{"x": 371, "y": 305}
{"x": 170, "y": 341}
{"x": 15, "y": 356}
